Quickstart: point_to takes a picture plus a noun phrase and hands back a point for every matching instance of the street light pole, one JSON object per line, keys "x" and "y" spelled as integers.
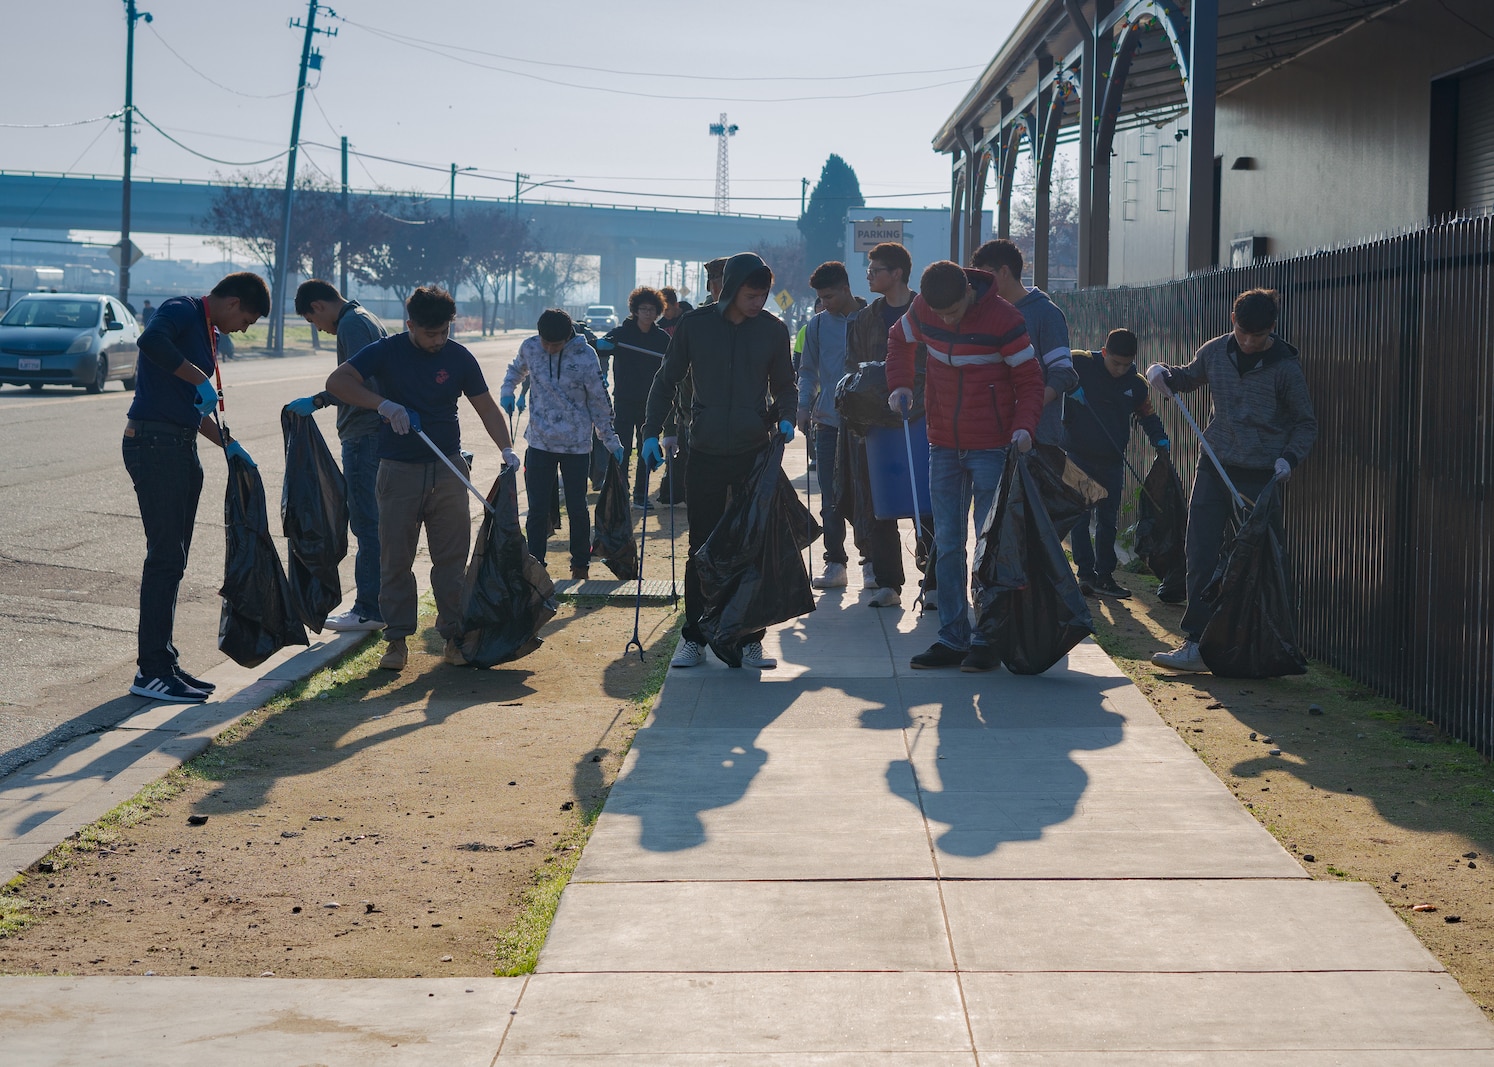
{"x": 519, "y": 190}
{"x": 131, "y": 17}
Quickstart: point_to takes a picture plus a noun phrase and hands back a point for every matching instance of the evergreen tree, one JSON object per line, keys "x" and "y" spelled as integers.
{"x": 823, "y": 223}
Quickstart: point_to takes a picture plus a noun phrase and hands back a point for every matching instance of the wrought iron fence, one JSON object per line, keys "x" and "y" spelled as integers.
{"x": 1389, "y": 521}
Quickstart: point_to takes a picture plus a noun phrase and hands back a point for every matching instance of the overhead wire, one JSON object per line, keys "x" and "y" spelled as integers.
{"x": 404, "y": 38}
{"x": 410, "y": 42}
{"x": 226, "y": 88}
{"x": 203, "y": 155}
{"x": 60, "y": 125}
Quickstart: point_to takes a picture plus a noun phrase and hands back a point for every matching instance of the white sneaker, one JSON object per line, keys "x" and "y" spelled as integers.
{"x": 868, "y": 576}
{"x": 886, "y": 597}
{"x": 688, "y": 654}
{"x": 1185, "y": 657}
{"x": 350, "y": 620}
{"x": 754, "y": 656}
{"x": 834, "y": 577}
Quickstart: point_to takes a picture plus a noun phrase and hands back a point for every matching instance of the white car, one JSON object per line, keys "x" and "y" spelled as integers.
{"x": 601, "y": 317}
{"x": 79, "y": 339}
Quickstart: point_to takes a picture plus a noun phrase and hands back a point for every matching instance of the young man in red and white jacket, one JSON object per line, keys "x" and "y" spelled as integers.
{"x": 984, "y": 393}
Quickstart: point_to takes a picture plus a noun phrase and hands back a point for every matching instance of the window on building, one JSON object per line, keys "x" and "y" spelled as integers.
{"x": 1461, "y": 177}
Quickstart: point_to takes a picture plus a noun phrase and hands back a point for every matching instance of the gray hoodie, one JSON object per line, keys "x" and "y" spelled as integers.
{"x": 567, "y": 400}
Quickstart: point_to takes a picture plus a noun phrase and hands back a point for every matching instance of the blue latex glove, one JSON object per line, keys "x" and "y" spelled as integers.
{"x": 1078, "y": 394}
{"x": 207, "y": 397}
{"x": 1163, "y": 445}
{"x": 618, "y": 454}
{"x": 236, "y": 451}
{"x": 653, "y": 455}
{"x": 786, "y": 427}
{"x": 303, "y": 406}
{"x": 521, "y": 401}
{"x": 507, "y": 404}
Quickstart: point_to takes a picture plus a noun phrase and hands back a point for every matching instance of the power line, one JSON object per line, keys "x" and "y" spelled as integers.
{"x": 227, "y": 89}
{"x": 401, "y": 38}
{"x": 410, "y": 42}
{"x": 203, "y": 155}
{"x": 59, "y": 125}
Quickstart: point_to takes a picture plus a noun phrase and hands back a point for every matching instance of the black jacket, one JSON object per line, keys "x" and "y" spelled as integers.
{"x": 1100, "y": 433}
{"x": 632, "y": 372}
{"x": 733, "y": 367}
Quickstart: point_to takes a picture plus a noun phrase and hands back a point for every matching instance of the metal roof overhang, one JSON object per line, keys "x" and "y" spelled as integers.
{"x": 1255, "y": 37}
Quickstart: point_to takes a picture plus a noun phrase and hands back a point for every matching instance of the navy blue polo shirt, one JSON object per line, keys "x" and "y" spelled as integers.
{"x": 425, "y": 383}
{"x": 178, "y": 330}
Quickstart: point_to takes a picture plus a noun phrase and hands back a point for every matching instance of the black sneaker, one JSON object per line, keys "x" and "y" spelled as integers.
{"x": 167, "y": 687}
{"x": 979, "y": 659}
{"x": 1106, "y": 585}
{"x": 938, "y": 655}
{"x": 1087, "y": 585}
{"x": 1172, "y": 596}
{"x": 195, "y": 683}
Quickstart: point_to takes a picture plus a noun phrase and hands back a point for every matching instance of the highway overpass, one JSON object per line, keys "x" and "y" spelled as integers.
{"x": 618, "y": 235}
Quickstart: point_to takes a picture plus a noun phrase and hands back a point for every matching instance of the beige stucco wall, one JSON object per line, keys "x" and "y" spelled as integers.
{"x": 1339, "y": 137}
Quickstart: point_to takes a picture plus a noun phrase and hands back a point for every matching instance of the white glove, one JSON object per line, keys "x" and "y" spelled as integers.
{"x": 900, "y": 401}
{"x": 396, "y": 415}
{"x": 1283, "y": 470}
{"x": 511, "y": 458}
{"x": 1023, "y": 440}
{"x": 671, "y": 445}
{"x": 1156, "y": 377}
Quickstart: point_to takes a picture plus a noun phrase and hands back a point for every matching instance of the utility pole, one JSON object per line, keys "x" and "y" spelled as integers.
{"x": 451, "y": 200}
{"x": 803, "y": 192}
{"x": 131, "y": 17}
{"x": 282, "y": 253}
{"x": 342, "y": 245}
{"x": 513, "y": 281}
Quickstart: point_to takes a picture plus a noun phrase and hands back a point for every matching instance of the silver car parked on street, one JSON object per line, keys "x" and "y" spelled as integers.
{"x": 77, "y": 339}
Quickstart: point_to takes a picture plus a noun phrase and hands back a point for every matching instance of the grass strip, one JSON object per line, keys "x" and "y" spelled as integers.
{"x": 517, "y": 947}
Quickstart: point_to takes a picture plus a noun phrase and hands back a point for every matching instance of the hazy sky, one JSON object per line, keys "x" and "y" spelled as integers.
{"x": 616, "y": 96}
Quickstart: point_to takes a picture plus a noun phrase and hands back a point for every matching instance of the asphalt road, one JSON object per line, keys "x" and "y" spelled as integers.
{"x": 71, "y": 543}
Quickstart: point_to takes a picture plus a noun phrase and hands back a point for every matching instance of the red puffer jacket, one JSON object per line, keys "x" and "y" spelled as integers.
{"x": 983, "y": 380}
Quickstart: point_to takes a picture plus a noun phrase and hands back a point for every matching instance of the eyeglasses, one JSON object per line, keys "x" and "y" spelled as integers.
{"x": 871, "y": 272}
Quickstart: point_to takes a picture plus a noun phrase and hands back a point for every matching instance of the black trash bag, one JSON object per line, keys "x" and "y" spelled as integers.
{"x": 796, "y": 512}
{"x": 1030, "y": 607}
{"x": 507, "y": 595}
{"x": 258, "y": 619}
{"x": 612, "y": 532}
{"x": 1068, "y": 493}
{"x": 1162, "y": 528}
{"x": 599, "y": 460}
{"x": 861, "y": 397}
{"x": 1253, "y": 632}
{"x": 314, "y": 518}
{"x": 751, "y": 572}
{"x": 672, "y": 484}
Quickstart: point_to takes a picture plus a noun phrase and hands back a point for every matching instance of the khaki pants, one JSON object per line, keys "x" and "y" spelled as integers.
{"x": 412, "y": 495}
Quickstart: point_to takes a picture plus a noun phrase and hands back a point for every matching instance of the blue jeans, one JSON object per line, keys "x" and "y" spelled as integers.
{"x": 826, "y": 439}
{"x": 1097, "y": 560}
{"x": 360, "y": 468}
{"x": 958, "y": 477}
{"x": 162, "y": 463}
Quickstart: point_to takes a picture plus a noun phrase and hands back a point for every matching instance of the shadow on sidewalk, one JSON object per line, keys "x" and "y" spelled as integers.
{"x": 995, "y": 765}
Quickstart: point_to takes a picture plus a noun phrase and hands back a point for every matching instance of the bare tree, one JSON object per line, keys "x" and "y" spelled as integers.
{"x": 553, "y": 277}
{"x": 496, "y": 242}
{"x": 1063, "y": 219}
{"x": 410, "y": 249}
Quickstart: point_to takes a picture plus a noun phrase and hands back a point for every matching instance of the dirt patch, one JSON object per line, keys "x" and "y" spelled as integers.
{"x": 1353, "y": 785}
{"x": 381, "y": 825}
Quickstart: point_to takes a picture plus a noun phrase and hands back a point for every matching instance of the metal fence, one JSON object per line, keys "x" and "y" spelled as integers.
{"x": 1389, "y": 520}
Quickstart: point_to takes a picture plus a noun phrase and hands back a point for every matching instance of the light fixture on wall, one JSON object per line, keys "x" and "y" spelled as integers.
{"x": 1178, "y": 137}
{"x": 1243, "y": 163}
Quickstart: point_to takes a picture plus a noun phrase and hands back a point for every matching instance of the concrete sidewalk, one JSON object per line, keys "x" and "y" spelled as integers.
{"x": 845, "y": 862}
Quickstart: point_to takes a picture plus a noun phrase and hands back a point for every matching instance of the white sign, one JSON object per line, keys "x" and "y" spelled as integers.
{"x": 117, "y": 253}
{"x": 872, "y": 232}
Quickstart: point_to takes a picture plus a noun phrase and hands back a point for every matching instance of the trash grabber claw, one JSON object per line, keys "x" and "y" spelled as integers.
{"x": 917, "y": 518}
{"x": 635, "y": 641}
{"x": 1241, "y": 500}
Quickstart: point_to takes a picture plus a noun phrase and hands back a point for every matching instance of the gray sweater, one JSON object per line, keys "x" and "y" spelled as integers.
{"x": 357, "y": 328}
{"x": 1260, "y": 416}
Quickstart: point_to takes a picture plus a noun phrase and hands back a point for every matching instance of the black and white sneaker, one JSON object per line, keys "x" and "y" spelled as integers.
{"x": 195, "y": 683}
{"x": 167, "y": 687}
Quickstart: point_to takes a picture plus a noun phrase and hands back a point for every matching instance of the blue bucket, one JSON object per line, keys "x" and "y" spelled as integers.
{"x": 887, "y": 467}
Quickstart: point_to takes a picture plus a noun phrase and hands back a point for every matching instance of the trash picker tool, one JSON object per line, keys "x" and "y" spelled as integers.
{"x": 1240, "y": 499}
{"x": 913, "y": 486}
{"x": 635, "y": 641}
{"x": 415, "y": 428}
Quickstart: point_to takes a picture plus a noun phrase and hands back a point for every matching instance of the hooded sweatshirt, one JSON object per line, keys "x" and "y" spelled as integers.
{"x": 632, "y": 371}
{"x": 823, "y": 365}
{"x": 1048, "y": 331}
{"x": 1260, "y": 415}
{"x": 733, "y": 367}
{"x": 567, "y": 401}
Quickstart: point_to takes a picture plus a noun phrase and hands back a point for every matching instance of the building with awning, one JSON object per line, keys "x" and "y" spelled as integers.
{"x": 1218, "y": 132}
